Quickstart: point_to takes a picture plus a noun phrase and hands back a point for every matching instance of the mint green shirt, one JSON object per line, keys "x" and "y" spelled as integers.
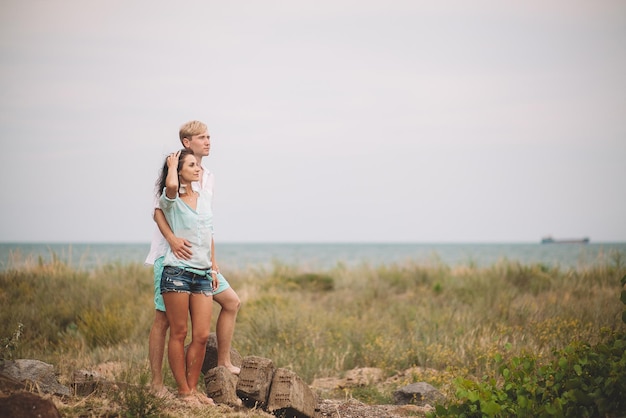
{"x": 196, "y": 226}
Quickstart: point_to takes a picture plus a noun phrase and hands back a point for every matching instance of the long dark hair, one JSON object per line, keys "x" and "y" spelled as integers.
{"x": 160, "y": 184}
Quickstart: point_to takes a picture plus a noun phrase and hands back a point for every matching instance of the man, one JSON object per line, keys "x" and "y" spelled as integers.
{"x": 194, "y": 136}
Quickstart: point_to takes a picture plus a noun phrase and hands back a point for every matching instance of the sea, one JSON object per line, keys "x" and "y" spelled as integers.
{"x": 325, "y": 256}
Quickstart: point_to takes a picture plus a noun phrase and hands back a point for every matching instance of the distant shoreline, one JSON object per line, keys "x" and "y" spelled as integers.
{"x": 437, "y": 243}
{"x": 323, "y": 256}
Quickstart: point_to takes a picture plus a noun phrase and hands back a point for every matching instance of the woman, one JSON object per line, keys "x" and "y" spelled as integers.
{"x": 187, "y": 285}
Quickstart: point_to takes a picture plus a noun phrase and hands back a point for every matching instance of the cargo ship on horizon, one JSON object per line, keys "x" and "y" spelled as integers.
{"x": 550, "y": 240}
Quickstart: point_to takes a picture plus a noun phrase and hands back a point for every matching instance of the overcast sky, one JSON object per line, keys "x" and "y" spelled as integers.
{"x": 330, "y": 121}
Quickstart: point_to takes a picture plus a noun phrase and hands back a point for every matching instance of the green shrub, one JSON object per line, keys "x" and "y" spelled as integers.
{"x": 581, "y": 380}
{"x": 311, "y": 281}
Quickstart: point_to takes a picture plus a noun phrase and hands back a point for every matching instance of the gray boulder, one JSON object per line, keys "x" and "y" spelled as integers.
{"x": 419, "y": 393}
{"x": 35, "y": 372}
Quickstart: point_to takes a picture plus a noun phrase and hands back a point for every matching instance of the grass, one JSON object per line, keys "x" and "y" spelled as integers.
{"x": 317, "y": 323}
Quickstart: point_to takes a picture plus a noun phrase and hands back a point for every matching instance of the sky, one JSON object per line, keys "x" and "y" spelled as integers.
{"x": 330, "y": 121}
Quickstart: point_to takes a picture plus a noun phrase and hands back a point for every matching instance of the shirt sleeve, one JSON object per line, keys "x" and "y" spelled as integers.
{"x": 165, "y": 202}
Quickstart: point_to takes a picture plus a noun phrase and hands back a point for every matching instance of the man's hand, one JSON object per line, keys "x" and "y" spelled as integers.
{"x": 180, "y": 247}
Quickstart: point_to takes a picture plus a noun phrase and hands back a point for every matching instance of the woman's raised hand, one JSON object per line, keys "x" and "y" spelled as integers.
{"x": 172, "y": 159}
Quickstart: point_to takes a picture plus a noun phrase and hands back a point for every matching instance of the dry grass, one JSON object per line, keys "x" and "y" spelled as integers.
{"x": 317, "y": 323}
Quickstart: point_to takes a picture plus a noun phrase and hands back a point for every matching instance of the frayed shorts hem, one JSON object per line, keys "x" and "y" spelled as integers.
{"x": 200, "y": 292}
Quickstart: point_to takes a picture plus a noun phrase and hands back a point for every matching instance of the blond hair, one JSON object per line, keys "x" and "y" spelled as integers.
{"x": 191, "y": 128}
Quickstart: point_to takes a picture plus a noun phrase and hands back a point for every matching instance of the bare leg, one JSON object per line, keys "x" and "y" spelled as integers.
{"x": 158, "y": 332}
{"x": 200, "y": 308}
{"x": 177, "y": 309}
{"x": 225, "y": 328}
{"x": 156, "y": 349}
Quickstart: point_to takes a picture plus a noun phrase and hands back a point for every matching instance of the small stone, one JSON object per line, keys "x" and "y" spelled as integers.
{"x": 420, "y": 394}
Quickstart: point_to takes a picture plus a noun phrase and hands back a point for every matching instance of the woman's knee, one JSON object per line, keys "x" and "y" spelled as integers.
{"x": 178, "y": 333}
{"x": 201, "y": 338}
{"x": 229, "y": 302}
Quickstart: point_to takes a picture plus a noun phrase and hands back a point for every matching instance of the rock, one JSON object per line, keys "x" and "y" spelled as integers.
{"x": 210, "y": 357}
{"x": 290, "y": 396}
{"x": 27, "y": 405}
{"x": 39, "y": 373}
{"x": 221, "y": 386}
{"x": 87, "y": 382}
{"x": 255, "y": 380}
{"x": 420, "y": 394}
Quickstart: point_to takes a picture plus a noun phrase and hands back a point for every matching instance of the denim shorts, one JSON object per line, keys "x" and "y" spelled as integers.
{"x": 176, "y": 279}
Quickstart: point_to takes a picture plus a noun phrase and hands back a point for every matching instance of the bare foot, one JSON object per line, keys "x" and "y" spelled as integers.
{"x": 189, "y": 399}
{"x": 233, "y": 369}
{"x": 202, "y": 398}
{"x": 161, "y": 392}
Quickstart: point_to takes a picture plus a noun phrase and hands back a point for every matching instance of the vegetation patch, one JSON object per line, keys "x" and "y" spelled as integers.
{"x": 314, "y": 282}
{"x": 505, "y": 340}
